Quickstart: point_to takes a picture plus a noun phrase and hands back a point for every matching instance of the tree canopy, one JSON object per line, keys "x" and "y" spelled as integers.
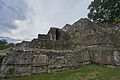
{"x": 4, "y": 44}
{"x": 104, "y": 11}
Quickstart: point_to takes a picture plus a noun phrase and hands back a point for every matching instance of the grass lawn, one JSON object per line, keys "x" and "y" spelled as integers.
{"x": 89, "y": 72}
{"x": 5, "y": 50}
{"x": 2, "y": 52}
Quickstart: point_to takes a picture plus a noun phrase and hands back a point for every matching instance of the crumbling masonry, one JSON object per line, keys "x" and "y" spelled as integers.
{"x": 73, "y": 46}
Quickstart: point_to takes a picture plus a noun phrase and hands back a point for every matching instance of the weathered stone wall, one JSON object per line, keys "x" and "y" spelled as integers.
{"x": 43, "y": 37}
{"x": 58, "y": 34}
{"x": 44, "y": 44}
{"x": 43, "y": 61}
{"x": 105, "y": 55}
{"x": 38, "y": 61}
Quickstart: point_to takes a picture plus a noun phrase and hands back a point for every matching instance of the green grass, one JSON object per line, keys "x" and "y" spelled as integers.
{"x": 2, "y": 52}
{"x": 5, "y": 50}
{"x": 89, "y": 72}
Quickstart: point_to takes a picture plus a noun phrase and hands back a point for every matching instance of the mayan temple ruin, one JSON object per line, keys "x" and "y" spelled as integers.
{"x": 71, "y": 47}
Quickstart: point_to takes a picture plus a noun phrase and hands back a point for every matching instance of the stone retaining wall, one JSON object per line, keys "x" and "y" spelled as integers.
{"x": 52, "y": 61}
{"x": 46, "y": 61}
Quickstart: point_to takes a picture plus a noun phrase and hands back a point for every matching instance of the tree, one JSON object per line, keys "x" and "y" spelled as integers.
{"x": 104, "y": 11}
{"x": 4, "y": 44}
{"x": 3, "y": 41}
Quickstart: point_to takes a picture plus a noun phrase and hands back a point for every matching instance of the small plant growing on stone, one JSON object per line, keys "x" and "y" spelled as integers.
{"x": 10, "y": 71}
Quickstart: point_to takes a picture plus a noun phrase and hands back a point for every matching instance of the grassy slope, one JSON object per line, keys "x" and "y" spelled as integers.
{"x": 2, "y": 52}
{"x": 89, "y": 72}
{"x": 5, "y": 50}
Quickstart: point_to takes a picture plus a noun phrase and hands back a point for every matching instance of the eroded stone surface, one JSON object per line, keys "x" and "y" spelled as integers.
{"x": 48, "y": 61}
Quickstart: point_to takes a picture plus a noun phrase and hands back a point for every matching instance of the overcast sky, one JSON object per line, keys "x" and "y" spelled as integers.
{"x": 25, "y": 19}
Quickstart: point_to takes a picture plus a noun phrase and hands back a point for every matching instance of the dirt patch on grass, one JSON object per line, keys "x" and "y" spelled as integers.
{"x": 91, "y": 75}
